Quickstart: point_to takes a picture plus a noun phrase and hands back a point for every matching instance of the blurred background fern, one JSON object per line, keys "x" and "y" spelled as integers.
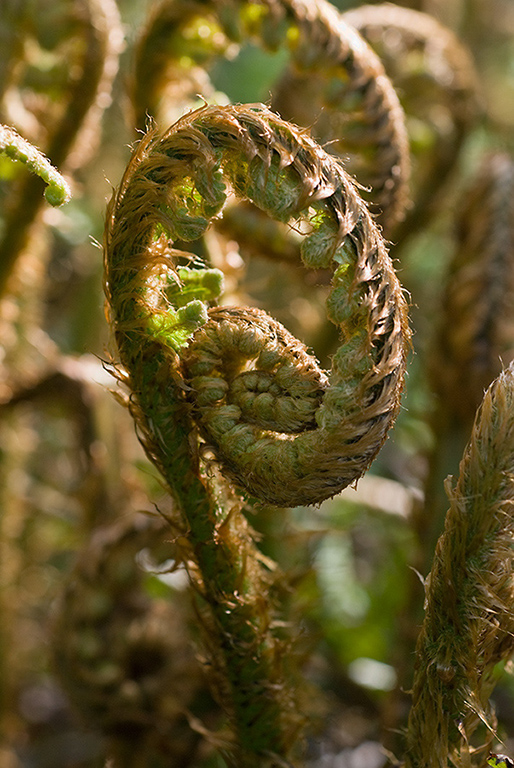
{"x": 90, "y": 580}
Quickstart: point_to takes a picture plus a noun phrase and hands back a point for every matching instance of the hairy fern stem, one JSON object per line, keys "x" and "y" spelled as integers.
{"x": 231, "y": 383}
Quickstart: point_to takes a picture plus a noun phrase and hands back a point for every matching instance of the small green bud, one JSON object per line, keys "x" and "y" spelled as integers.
{"x": 19, "y": 149}
{"x": 317, "y": 249}
{"x": 203, "y": 284}
{"x": 57, "y": 195}
{"x": 193, "y": 314}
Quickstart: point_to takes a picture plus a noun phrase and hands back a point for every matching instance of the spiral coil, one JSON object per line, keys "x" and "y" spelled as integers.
{"x": 174, "y": 184}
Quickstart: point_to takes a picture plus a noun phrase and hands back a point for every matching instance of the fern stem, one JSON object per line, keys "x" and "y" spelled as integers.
{"x": 468, "y": 621}
{"x": 18, "y": 149}
{"x": 226, "y": 379}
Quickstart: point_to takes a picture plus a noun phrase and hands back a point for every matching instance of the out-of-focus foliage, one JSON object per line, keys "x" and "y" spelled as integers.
{"x": 71, "y": 467}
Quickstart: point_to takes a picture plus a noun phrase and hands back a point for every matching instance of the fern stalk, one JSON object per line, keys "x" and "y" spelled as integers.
{"x": 468, "y": 625}
{"x": 233, "y": 383}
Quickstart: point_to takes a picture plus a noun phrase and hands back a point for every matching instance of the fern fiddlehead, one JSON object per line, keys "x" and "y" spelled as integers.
{"x": 196, "y": 373}
{"x": 435, "y": 76}
{"x": 334, "y": 81}
{"x": 269, "y": 162}
{"x": 476, "y": 334}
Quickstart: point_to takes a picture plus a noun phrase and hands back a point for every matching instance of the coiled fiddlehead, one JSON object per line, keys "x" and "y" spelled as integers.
{"x": 329, "y": 428}
{"x": 334, "y": 82}
{"x": 435, "y": 77}
{"x": 476, "y": 333}
{"x": 228, "y": 368}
